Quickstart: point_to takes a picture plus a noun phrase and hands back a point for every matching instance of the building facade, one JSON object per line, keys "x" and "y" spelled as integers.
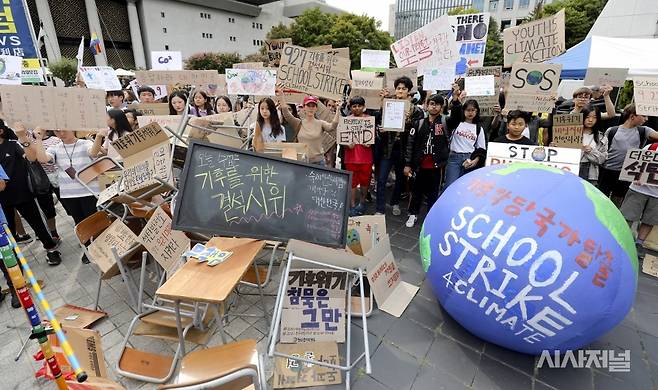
{"x": 627, "y": 19}
{"x": 508, "y": 13}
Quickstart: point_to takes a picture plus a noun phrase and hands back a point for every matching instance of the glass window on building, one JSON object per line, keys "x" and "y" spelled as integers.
{"x": 479, "y": 5}
{"x": 493, "y": 5}
{"x": 524, "y": 3}
{"x": 509, "y": 4}
{"x": 505, "y": 24}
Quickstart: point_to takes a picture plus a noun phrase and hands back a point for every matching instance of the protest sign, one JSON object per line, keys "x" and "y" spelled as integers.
{"x": 487, "y": 103}
{"x": 117, "y": 235}
{"x": 313, "y": 72}
{"x": 566, "y": 159}
{"x": 314, "y": 305}
{"x": 429, "y": 46}
{"x": 375, "y": 60}
{"x": 606, "y": 76}
{"x": 480, "y": 85}
{"x": 150, "y": 109}
{"x": 160, "y": 90}
{"x": 360, "y": 232}
{"x": 438, "y": 79}
{"x": 470, "y": 33}
{"x": 343, "y": 52}
{"x": 533, "y": 87}
{"x": 165, "y": 245}
{"x": 395, "y": 113}
{"x": 54, "y": 107}
{"x": 259, "y": 82}
{"x": 367, "y": 85}
{"x": 248, "y": 65}
{"x": 171, "y": 121}
{"x": 291, "y": 373}
{"x": 568, "y": 131}
{"x": 183, "y": 77}
{"x": 641, "y": 166}
{"x": 395, "y": 73}
{"x": 534, "y": 42}
{"x": 392, "y": 294}
{"x": 11, "y": 70}
{"x": 32, "y": 75}
{"x": 100, "y": 77}
{"x": 650, "y": 265}
{"x": 166, "y": 60}
{"x": 274, "y": 48}
{"x": 645, "y": 95}
{"x": 73, "y": 316}
{"x": 356, "y": 130}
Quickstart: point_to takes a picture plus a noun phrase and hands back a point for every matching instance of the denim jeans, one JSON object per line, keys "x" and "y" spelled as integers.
{"x": 455, "y": 168}
{"x": 385, "y": 165}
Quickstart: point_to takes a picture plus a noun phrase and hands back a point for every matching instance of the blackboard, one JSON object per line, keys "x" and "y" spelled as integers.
{"x": 232, "y": 192}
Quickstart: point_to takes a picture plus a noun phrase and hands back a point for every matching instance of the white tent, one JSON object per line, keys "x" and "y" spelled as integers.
{"x": 122, "y": 72}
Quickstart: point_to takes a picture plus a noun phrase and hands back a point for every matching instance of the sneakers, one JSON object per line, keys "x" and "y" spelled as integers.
{"x": 353, "y": 212}
{"x": 24, "y": 239}
{"x": 53, "y": 258}
{"x": 396, "y": 210}
{"x": 360, "y": 208}
{"x": 411, "y": 221}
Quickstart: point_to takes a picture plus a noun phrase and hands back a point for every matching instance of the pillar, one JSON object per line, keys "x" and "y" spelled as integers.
{"x": 95, "y": 26}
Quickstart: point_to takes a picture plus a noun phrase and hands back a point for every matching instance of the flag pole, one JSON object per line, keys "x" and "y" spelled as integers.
{"x": 34, "y": 41}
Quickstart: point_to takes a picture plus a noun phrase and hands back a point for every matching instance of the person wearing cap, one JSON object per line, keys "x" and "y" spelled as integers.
{"x": 308, "y": 129}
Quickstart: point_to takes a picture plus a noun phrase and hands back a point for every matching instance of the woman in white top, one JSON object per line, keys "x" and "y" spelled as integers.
{"x": 595, "y": 145}
{"x": 118, "y": 126}
{"x": 467, "y": 144}
{"x": 268, "y": 125}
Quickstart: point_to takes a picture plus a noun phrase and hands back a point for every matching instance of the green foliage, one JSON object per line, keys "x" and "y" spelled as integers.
{"x": 463, "y": 11}
{"x": 65, "y": 69}
{"x": 256, "y": 57}
{"x": 494, "y": 52}
{"x": 625, "y": 95}
{"x": 212, "y": 61}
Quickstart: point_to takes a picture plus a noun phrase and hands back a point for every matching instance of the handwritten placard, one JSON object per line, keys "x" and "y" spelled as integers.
{"x": 356, "y": 130}
{"x": 650, "y": 265}
{"x": 375, "y": 60}
{"x": 645, "y": 95}
{"x": 568, "y": 131}
{"x": 429, "y": 46}
{"x": 166, "y": 60}
{"x": 150, "y": 109}
{"x": 471, "y": 37}
{"x": 395, "y": 73}
{"x": 274, "y": 48}
{"x": 291, "y": 373}
{"x": 438, "y": 79}
{"x": 100, "y": 77}
{"x": 183, "y": 77}
{"x": 487, "y": 103}
{"x": 139, "y": 139}
{"x": 394, "y": 116}
{"x": 117, "y": 236}
{"x": 567, "y": 159}
{"x": 259, "y": 82}
{"x": 367, "y": 85}
{"x": 315, "y": 73}
{"x": 480, "y": 85}
{"x": 11, "y": 71}
{"x": 534, "y": 42}
{"x": 165, "y": 245}
{"x": 171, "y": 121}
{"x": 360, "y": 231}
{"x": 641, "y": 166}
{"x": 533, "y": 87}
{"x": 606, "y": 76}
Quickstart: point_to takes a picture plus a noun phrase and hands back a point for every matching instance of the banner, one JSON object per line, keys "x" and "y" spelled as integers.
{"x": 640, "y": 165}
{"x": 646, "y": 95}
{"x": 561, "y": 158}
{"x": 471, "y": 36}
{"x": 356, "y": 131}
{"x": 274, "y": 48}
{"x": 536, "y": 41}
{"x": 367, "y": 85}
{"x": 487, "y": 103}
{"x": 166, "y": 60}
{"x": 375, "y": 60}
{"x": 533, "y": 87}
{"x": 568, "y": 131}
{"x": 15, "y": 36}
{"x": 100, "y": 77}
{"x": 257, "y": 82}
{"x": 11, "y": 70}
{"x": 606, "y": 76}
{"x": 431, "y": 45}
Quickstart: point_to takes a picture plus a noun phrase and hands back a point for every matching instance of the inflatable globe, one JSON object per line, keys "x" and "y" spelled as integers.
{"x": 530, "y": 257}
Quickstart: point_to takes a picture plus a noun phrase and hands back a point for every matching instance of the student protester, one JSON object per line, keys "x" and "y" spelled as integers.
{"x": 358, "y": 160}
{"x": 516, "y": 124}
{"x": 582, "y": 97}
{"x": 129, "y": 96}
{"x": 467, "y": 145}
{"x": 15, "y": 301}
{"x": 268, "y": 125}
{"x": 132, "y": 115}
{"x": 146, "y": 94}
{"x": 177, "y": 103}
{"x": 17, "y": 194}
{"x": 629, "y": 135}
{"x": 309, "y": 129}
{"x": 115, "y": 100}
{"x": 426, "y": 155}
{"x": 46, "y": 201}
{"x": 118, "y": 126}
{"x": 391, "y": 148}
{"x": 223, "y": 104}
{"x": 201, "y": 105}
{"x": 595, "y": 145}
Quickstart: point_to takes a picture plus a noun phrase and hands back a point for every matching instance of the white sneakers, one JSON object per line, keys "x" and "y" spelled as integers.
{"x": 411, "y": 221}
{"x": 396, "y": 210}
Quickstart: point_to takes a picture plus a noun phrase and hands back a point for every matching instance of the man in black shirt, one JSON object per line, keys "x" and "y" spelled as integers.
{"x": 516, "y": 122}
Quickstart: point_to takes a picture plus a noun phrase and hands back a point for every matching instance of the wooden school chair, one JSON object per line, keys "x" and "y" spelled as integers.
{"x": 93, "y": 171}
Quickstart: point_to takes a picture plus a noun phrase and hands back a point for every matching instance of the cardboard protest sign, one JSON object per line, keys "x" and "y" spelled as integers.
{"x": 248, "y": 65}
{"x": 392, "y": 294}
{"x": 11, "y": 70}
{"x": 313, "y": 72}
{"x": 88, "y": 349}
{"x": 150, "y": 109}
{"x": 606, "y": 76}
{"x": 438, "y": 79}
{"x": 640, "y": 165}
{"x": 487, "y": 103}
{"x": 165, "y": 245}
{"x": 645, "y": 95}
{"x": 251, "y": 81}
{"x": 360, "y": 232}
{"x": 534, "y": 42}
{"x": 291, "y": 373}
{"x": 166, "y": 60}
{"x": 343, "y": 52}
{"x": 650, "y": 265}
{"x": 160, "y": 90}
{"x": 367, "y": 85}
{"x": 395, "y": 73}
{"x": 533, "y": 87}
{"x": 77, "y": 317}
{"x": 394, "y": 114}
{"x": 470, "y": 33}
{"x": 183, "y": 77}
{"x": 314, "y": 306}
{"x": 568, "y": 131}
{"x": 171, "y": 121}
{"x": 375, "y": 60}
{"x": 100, "y": 77}
{"x": 139, "y": 140}
{"x": 480, "y": 85}
{"x": 117, "y": 235}
{"x": 429, "y": 46}
{"x": 356, "y": 130}
{"x": 54, "y": 107}
{"x": 567, "y": 159}
{"x": 274, "y": 48}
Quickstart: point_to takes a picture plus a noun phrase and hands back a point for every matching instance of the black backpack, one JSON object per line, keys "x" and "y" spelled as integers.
{"x": 641, "y": 131}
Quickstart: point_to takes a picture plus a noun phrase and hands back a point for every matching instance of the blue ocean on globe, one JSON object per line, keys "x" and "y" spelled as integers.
{"x": 530, "y": 257}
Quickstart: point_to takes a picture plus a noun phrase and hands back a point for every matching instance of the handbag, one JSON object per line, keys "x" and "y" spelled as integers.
{"x": 38, "y": 181}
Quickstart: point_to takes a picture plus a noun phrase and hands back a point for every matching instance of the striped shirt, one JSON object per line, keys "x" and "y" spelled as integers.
{"x": 79, "y": 158}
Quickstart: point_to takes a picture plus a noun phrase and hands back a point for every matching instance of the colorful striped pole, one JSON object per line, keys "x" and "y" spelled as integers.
{"x": 7, "y": 248}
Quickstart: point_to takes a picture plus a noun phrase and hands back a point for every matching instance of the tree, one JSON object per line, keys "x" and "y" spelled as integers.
{"x": 493, "y": 54}
{"x": 212, "y": 61}
{"x": 65, "y": 69}
{"x": 256, "y": 57}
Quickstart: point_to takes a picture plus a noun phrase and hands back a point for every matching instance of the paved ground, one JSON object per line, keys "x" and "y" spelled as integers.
{"x": 424, "y": 349}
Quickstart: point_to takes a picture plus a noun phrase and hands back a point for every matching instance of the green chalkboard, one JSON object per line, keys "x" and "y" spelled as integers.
{"x": 232, "y": 192}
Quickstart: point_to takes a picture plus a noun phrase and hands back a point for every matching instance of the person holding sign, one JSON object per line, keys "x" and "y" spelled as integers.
{"x": 595, "y": 146}
{"x": 582, "y": 98}
{"x": 308, "y": 129}
{"x": 268, "y": 125}
{"x": 358, "y": 160}
{"x": 115, "y": 100}
{"x": 118, "y": 126}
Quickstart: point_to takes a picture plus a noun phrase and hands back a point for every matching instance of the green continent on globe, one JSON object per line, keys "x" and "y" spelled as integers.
{"x": 425, "y": 249}
{"x": 518, "y": 166}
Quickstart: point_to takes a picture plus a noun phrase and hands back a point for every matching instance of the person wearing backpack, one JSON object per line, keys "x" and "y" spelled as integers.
{"x": 426, "y": 155}
{"x": 629, "y": 135}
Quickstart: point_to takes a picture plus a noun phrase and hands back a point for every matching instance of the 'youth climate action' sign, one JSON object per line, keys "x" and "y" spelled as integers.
{"x": 533, "y": 87}
{"x": 315, "y": 73}
{"x": 535, "y": 41}
{"x": 562, "y": 158}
